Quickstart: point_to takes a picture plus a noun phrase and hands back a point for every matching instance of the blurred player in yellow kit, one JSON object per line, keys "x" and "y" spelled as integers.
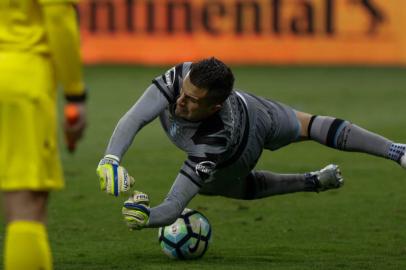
{"x": 39, "y": 48}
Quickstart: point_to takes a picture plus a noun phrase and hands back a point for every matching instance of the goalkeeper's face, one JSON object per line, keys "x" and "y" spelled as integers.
{"x": 193, "y": 104}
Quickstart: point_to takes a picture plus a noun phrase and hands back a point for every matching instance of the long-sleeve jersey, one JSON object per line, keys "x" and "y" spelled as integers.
{"x": 219, "y": 147}
{"x": 213, "y": 140}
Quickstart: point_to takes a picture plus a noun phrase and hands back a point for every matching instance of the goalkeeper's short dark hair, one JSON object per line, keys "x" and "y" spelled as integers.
{"x": 214, "y": 76}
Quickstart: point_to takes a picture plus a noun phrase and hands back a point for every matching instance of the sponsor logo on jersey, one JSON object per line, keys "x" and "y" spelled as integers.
{"x": 205, "y": 168}
{"x": 173, "y": 130}
{"x": 170, "y": 77}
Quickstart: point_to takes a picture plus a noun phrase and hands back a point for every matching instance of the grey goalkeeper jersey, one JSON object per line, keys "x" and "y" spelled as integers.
{"x": 221, "y": 150}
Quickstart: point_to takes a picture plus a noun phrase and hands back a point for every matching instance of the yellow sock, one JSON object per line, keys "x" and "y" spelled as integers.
{"x": 27, "y": 247}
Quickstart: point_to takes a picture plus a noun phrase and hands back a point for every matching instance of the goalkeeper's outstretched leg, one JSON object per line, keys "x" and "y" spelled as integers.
{"x": 346, "y": 136}
{"x": 261, "y": 184}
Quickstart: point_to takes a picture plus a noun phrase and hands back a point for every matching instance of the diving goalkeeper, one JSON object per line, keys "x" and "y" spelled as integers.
{"x": 223, "y": 132}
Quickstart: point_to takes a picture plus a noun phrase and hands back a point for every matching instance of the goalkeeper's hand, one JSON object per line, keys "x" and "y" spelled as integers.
{"x": 114, "y": 179}
{"x": 136, "y": 210}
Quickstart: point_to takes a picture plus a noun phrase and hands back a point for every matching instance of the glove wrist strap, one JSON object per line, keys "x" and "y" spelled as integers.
{"x": 113, "y": 157}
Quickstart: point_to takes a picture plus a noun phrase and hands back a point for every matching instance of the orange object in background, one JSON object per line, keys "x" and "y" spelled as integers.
{"x": 365, "y": 32}
{"x": 71, "y": 113}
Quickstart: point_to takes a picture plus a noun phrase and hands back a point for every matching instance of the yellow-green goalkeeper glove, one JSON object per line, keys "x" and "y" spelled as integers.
{"x": 136, "y": 211}
{"x": 114, "y": 179}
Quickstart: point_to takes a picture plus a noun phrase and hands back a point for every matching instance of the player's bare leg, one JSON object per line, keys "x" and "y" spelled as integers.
{"x": 26, "y": 233}
{"x": 25, "y": 205}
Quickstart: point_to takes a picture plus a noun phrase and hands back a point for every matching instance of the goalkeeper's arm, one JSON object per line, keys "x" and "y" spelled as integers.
{"x": 146, "y": 109}
{"x": 182, "y": 191}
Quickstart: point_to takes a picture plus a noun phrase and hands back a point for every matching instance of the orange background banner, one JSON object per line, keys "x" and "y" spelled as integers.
{"x": 370, "y": 32}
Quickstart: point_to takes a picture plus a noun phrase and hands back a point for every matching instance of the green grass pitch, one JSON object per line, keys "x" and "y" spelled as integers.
{"x": 361, "y": 226}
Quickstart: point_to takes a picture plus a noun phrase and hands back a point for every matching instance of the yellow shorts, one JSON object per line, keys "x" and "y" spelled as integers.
{"x": 29, "y": 157}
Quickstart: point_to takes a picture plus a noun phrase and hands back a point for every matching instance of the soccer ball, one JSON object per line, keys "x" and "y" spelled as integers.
{"x": 187, "y": 238}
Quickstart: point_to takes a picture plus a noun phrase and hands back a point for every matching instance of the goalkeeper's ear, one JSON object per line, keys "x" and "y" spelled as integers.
{"x": 215, "y": 107}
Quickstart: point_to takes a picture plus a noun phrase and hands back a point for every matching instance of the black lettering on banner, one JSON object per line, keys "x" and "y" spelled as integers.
{"x": 216, "y": 17}
{"x": 255, "y": 8}
{"x": 376, "y": 15}
{"x": 171, "y": 16}
{"x": 276, "y": 16}
{"x": 150, "y": 17}
{"x": 329, "y": 17}
{"x": 109, "y": 7}
{"x": 129, "y": 15}
{"x": 304, "y": 23}
{"x": 209, "y": 12}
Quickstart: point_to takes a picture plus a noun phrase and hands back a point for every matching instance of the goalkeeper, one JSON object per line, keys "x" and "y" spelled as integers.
{"x": 223, "y": 132}
{"x": 39, "y": 47}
